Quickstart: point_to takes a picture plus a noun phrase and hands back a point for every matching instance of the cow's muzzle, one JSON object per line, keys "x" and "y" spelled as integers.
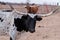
{"x": 32, "y": 30}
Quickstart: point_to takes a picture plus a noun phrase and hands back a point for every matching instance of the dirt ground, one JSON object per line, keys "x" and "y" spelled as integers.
{"x": 49, "y": 30}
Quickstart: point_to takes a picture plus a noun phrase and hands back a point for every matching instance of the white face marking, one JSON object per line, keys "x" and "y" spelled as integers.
{"x": 32, "y": 15}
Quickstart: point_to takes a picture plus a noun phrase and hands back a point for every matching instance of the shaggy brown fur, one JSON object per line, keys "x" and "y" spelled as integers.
{"x": 32, "y": 9}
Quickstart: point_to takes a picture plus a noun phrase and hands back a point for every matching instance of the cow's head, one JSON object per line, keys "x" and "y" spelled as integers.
{"x": 30, "y": 22}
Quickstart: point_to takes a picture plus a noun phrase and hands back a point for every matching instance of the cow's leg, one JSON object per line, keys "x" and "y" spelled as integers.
{"x": 12, "y": 33}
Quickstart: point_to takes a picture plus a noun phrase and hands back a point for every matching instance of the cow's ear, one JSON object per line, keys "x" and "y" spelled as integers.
{"x": 38, "y": 18}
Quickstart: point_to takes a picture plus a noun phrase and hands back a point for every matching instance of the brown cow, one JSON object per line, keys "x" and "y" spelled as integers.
{"x": 32, "y": 9}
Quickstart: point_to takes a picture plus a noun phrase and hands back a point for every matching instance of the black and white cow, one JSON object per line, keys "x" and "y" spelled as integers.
{"x": 26, "y": 23}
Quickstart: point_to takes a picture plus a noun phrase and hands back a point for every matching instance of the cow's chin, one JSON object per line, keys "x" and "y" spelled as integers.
{"x": 30, "y": 31}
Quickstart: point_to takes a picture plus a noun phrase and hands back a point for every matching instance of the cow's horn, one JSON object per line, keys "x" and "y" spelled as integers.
{"x": 53, "y": 11}
{"x": 20, "y": 13}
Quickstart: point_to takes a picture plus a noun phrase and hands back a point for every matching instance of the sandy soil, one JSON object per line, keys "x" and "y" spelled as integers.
{"x": 49, "y": 30}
